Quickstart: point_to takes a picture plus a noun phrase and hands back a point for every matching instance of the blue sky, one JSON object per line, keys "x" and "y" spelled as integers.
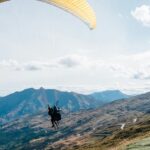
{"x": 41, "y": 45}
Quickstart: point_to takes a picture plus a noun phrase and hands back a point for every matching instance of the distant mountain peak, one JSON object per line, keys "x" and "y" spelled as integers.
{"x": 109, "y": 95}
{"x": 41, "y": 88}
{"x": 110, "y": 91}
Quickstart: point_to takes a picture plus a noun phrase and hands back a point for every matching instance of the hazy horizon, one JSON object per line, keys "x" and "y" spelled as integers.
{"x": 73, "y": 89}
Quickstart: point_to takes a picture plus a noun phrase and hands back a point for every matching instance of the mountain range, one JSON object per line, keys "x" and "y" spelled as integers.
{"x": 30, "y": 101}
{"x": 116, "y": 124}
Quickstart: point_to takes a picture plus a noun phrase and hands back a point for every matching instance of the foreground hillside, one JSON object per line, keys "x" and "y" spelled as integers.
{"x": 134, "y": 136}
{"x": 105, "y": 127}
{"x": 140, "y": 144}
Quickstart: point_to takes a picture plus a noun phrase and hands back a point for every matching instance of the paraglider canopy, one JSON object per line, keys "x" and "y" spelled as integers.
{"x": 79, "y": 8}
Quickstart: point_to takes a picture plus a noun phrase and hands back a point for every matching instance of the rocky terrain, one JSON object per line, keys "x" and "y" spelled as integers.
{"x": 102, "y": 128}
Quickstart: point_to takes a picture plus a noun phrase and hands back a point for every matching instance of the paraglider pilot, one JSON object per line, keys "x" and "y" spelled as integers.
{"x": 50, "y": 113}
{"x": 54, "y": 112}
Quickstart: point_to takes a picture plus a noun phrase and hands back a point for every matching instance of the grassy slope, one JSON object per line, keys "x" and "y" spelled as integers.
{"x": 142, "y": 144}
{"x": 121, "y": 140}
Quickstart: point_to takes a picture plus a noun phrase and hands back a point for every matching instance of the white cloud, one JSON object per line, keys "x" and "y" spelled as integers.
{"x": 126, "y": 72}
{"x": 142, "y": 14}
{"x": 142, "y": 75}
{"x": 72, "y": 61}
{"x": 69, "y": 61}
{"x": 26, "y": 66}
{"x": 135, "y": 66}
{"x": 12, "y": 64}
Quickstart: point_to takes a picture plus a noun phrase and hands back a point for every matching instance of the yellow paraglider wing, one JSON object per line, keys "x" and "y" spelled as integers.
{"x": 79, "y": 8}
{"x": 3, "y": 1}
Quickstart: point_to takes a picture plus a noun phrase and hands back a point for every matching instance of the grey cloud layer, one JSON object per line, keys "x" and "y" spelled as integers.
{"x": 70, "y": 61}
{"x": 132, "y": 67}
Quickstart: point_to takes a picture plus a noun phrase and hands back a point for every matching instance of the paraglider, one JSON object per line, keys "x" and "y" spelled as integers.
{"x": 55, "y": 115}
{"x": 79, "y": 8}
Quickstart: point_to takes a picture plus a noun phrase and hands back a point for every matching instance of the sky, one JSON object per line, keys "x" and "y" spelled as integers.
{"x": 44, "y": 46}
